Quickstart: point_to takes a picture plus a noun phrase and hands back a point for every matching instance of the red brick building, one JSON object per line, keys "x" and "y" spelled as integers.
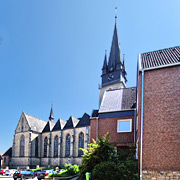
{"x": 159, "y": 114}
{"x": 117, "y": 103}
{"x": 155, "y": 123}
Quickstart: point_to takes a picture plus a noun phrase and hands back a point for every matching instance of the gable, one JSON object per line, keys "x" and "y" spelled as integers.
{"x": 28, "y": 122}
{"x": 84, "y": 121}
{"x": 22, "y": 124}
{"x": 59, "y": 125}
{"x": 35, "y": 124}
{"x": 49, "y": 126}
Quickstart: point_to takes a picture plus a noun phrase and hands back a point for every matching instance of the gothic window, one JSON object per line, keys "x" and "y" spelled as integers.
{"x": 36, "y": 147}
{"x": 22, "y": 145}
{"x": 56, "y": 146}
{"x": 67, "y": 148}
{"x": 22, "y": 124}
{"x": 4, "y": 159}
{"x": 45, "y": 146}
{"x": 81, "y": 144}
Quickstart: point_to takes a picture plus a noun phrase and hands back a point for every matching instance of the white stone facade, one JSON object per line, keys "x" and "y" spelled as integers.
{"x": 33, "y": 145}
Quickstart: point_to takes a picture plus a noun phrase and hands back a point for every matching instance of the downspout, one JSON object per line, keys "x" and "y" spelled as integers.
{"x": 97, "y": 128}
{"x": 142, "y": 102}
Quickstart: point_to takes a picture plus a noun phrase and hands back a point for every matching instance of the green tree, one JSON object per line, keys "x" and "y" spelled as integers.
{"x": 97, "y": 152}
{"x": 103, "y": 162}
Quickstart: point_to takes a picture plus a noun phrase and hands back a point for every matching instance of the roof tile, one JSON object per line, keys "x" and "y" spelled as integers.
{"x": 160, "y": 57}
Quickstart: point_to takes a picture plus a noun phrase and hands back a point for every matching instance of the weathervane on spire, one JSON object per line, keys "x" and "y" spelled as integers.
{"x": 115, "y": 13}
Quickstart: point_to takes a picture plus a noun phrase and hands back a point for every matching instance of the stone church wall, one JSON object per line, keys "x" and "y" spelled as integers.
{"x": 16, "y": 147}
{"x": 61, "y": 159}
{"x": 19, "y": 162}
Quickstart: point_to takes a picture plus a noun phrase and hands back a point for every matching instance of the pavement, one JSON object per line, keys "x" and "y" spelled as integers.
{"x": 11, "y": 178}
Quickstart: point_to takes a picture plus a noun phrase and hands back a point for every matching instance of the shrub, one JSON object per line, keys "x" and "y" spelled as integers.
{"x": 102, "y": 161}
{"x": 70, "y": 170}
{"x": 105, "y": 171}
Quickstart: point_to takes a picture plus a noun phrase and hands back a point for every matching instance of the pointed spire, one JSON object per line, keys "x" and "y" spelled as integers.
{"x": 124, "y": 69}
{"x": 51, "y": 116}
{"x": 104, "y": 68}
{"x": 114, "y": 58}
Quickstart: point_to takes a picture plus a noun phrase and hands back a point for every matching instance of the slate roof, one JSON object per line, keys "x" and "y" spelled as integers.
{"x": 35, "y": 124}
{"x": 49, "y": 126}
{"x": 84, "y": 121}
{"x": 114, "y": 57}
{"x": 118, "y": 100}
{"x": 8, "y": 152}
{"x": 94, "y": 113}
{"x": 71, "y": 123}
{"x": 160, "y": 57}
{"x": 59, "y": 125}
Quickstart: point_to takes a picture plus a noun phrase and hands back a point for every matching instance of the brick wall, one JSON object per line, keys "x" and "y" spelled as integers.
{"x": 110, "y": 125}
{"x": 161, "y": 136}
{"x": 93, "y": 129}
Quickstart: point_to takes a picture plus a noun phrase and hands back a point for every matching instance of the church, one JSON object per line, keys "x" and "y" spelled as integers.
{"x": 148, "y": 115}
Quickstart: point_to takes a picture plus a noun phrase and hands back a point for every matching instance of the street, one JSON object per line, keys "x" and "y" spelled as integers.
{"x": 10, "y": 177}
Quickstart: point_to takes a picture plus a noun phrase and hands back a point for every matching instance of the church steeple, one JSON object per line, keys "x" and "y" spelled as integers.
{"x": 113, "y": 72}
{"x": 51, "y": 116}
{"x": 104, "y": 68}
{"x": 114, "y": 57}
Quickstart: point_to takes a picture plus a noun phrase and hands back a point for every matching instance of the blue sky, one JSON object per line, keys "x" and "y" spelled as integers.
{"x": 53, "y": 52}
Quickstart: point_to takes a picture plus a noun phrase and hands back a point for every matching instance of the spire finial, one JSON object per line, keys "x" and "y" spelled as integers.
{"x": 51, "y": 116}
{"x": 115, "y": 13}
{"x": 123, "y": 57}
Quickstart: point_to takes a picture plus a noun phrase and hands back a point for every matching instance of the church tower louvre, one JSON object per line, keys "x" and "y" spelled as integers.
{"x": 113, "y": 72}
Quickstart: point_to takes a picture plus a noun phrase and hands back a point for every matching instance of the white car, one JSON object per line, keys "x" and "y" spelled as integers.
{"x": 10, "y": 172}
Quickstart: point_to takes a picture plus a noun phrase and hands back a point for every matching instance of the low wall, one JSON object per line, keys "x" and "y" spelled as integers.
{"x": 160, "y": 175}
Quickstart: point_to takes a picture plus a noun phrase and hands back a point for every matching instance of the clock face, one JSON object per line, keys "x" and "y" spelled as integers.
{"x": 110, "y": 76}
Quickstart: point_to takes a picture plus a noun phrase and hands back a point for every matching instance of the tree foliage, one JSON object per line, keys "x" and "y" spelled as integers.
{"x": 97, "y": 152}
{"x": 102, "y": 161}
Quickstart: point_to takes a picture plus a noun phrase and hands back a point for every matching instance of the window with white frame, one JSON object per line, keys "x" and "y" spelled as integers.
{"x": 124, "y": 125}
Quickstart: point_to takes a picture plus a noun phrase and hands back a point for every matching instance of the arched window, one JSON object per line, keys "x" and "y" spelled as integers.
{"x": 56, "y": 146}
{"x": 22, "y": 124}
{"x": 22, "y": 145}
{"x": 81, "y": 144}
{"x": 67, "y": 149}
{"x": 45, "y": 146}
{"x": 36, "y": 147}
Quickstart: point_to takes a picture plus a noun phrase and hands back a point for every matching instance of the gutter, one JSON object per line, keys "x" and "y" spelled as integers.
{"x": 142, "y": 103}
{"x": 159, "y": 67}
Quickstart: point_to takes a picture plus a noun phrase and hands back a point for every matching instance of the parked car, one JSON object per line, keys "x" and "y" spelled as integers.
{"x": 26, "y": 174}
{"x": 37, "y": 171}
{"x": 2, "y": 171}
{"x": 49, "y": 171}
{"x": 10, "y": 172}
{"x": 41, "y": 174}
